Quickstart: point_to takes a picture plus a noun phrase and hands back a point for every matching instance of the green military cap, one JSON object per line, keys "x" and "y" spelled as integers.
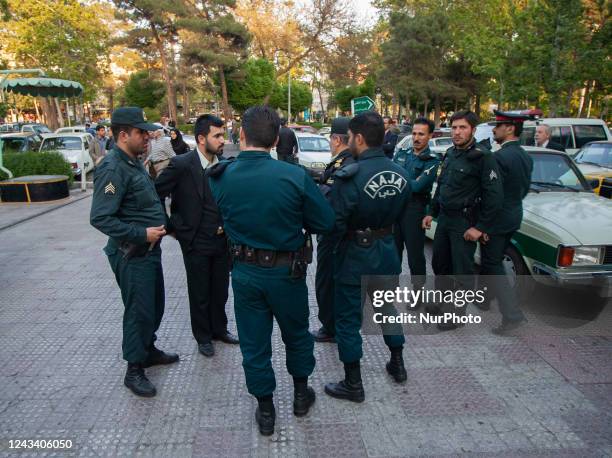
{"x": 340, "y": 126}
{"x": 132, "y": 116}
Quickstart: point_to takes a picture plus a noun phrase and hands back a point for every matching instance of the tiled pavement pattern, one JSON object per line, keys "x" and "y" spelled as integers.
{"x": 468, "y": 393}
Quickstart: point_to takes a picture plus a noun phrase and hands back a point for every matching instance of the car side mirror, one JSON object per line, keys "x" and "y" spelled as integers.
{"x": 594, "y": 183}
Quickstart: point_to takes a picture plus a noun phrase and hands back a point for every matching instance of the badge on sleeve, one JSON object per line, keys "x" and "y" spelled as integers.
{"x": 110, "y": 188}
{"x": 492, "y": 175}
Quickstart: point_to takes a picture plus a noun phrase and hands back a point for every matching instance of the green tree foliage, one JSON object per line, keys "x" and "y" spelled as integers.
{"x": 301, "y": 96}
{"x": 66, "y": 42}
{"x": 343, "y": 96}
{"x": 142, "y": 90}
{"x": 213, "y": 39}
{"x": 250, "y": 84}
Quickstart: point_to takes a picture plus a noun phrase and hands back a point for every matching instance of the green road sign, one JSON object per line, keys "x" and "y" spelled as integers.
{"x": 361, "y": 104}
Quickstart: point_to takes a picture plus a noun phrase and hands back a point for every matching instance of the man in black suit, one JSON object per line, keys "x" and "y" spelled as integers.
{"x": 287, "y": 146}
{"x": 542, "y": 138}
{"x": 197, "y": 223}
{"x": 390, "y": 139}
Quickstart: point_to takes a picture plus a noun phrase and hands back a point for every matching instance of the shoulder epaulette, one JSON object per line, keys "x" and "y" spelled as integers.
{"x": 347, "y": 171}
{"x": 218, "y": 169}
{"x": 477, "y": 152}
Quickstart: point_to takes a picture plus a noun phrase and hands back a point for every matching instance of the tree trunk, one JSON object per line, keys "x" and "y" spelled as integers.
{"x": 323, "y": 107}
{"x": 426, "y": 108}
{"x": 554, "y": 69}
{"x": 437, "y": 110}
{"x": 58, "y": 111}
{"x": 584, "y": 95}
{"x": 408, "y": 114}
{"x": 477, "y": 104}
{"x": 49, "y": 114}
{"x": 171, "y": 95}
{"x": 185, "y": 101}
{"x": 226, "y": 108}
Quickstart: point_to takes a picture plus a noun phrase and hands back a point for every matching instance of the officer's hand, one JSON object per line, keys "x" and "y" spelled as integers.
{"x": 155, "y": 233}
{"x": 484, "y": 238}
{"x": 472, "y": 234}
{"x": 427, "y": 222}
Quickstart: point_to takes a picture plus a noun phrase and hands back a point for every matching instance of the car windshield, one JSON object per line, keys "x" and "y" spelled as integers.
{"x": 12, "y": 145}
{"x": 314, "y": 144}
{"x": 596, "y": 154}
{"x": 41, "y": 129}
{"x": 444, "y": 141}
{"x": 555, "y": 172}
{"x": 52, "y": 144}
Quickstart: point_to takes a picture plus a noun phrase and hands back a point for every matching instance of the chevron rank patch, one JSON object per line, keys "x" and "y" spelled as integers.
{"x": 492, "y": 175}
{"x": 110, "y": 188}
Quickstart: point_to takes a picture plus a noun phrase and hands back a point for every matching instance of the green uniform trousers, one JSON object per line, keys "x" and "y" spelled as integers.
{"x": 453, "y": 256}
{"x": 495, "y": 278}
{"x": 348, "y": 313}
{"x": 261, "y": 294}
{"x": 141, "y": 280}
{"x": 324, "y": 282}
{"x": 412, "y": 236}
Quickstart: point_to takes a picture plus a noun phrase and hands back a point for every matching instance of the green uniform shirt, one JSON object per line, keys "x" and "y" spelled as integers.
{"x": 515, "y": 167}
{"x": 421, "y": 168}
{"x": 124, "y": 201}
{"x": 266, "y": 203}
{"x": 466, "y": 176}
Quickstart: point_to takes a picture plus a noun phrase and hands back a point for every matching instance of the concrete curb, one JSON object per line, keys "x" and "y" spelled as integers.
{"x": 68, "y": 201}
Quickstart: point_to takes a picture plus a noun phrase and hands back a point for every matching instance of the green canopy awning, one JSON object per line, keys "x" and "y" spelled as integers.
{"x": 43, "y": 87}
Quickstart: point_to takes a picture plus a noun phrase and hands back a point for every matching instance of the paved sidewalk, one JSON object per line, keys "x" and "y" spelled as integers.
{"x": 468, "y": 393}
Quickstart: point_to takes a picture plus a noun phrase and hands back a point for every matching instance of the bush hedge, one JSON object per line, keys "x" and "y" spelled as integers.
{"x": 31, "y": 163}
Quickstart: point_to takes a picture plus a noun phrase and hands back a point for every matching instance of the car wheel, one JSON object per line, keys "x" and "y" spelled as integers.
{"x": 518, "y": 273}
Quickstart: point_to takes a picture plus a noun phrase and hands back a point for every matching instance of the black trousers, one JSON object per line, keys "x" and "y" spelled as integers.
{"x": 207, "y": 286}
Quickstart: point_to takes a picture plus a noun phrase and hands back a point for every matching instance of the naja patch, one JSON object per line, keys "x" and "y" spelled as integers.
{"x": 385, "y": 184}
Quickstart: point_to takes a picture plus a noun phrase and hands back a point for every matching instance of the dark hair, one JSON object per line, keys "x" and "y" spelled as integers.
{"x": 100, "y": 126}
{"x": 283, "y": 122}
{"x": 260, "y": 125}
{"x": 87, "y": 124}
{"x": 370, "y": 125}
{"x": 428, "y": 122}
{"x": 468, "y": 115}
{"x": 203, "y": 123}
{"x": 518, "y": 129}
{"x": 116, "y": 129}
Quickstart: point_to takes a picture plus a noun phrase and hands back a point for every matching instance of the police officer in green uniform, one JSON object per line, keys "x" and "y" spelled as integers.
{"x": 515, "y": 167}
{"x": 467, "y": 200}
{"x": 324, "y": 280}
{"x": 265, "y": 205}
{"x": 422, "y": 168}
{"x": 368, "y": 197}
{"x": 125, "y": 207}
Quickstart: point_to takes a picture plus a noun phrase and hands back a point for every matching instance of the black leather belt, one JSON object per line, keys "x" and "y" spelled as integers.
{"x": 375, "y": 234}
{"x": 260, "y": 257}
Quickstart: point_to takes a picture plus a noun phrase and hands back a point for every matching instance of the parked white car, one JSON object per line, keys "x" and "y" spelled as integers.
{"x": 571, "y": 133}
{"x": 314, "y": 153}
{"x": 71, "y": 130}
{"x": 75, "y": 147}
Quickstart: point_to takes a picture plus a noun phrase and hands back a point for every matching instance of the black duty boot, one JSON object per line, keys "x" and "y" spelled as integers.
{"x": 395, "y": 366}
{"x": 137, "y": 381}
{"x": 351, "y": 387}
{"x": 303, "y": 396}
{"x": 156, "y": 356}
{"x": 265, "y": 415}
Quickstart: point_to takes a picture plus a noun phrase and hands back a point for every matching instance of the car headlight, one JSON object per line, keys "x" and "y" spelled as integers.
{"x": 579, "y": 256}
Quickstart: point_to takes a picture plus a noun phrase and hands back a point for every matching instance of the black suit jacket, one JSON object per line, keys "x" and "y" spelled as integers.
{"x": 287, "y": 142}
{"x": 183, "y": 180}
{"x": 556, "y": 146}
{"x": 389, "y": 143}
